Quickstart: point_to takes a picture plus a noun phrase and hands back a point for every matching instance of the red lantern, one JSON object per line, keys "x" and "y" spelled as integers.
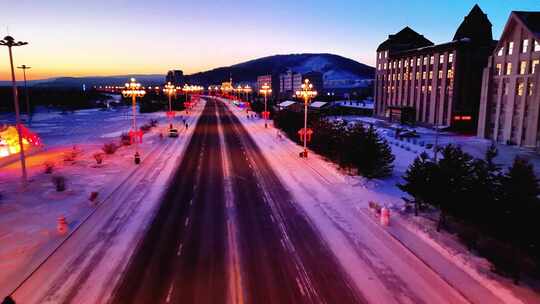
{"x": 266, "y": 115}
{"x": 135, "y": 135}
{"x": 171, "y": 114}
{"x": 309, "y": 134}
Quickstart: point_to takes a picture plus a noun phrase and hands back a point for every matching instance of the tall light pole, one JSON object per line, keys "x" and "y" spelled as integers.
{"x": 265, "y": 89}
{"x": 10, "y": 42}
{"x": 170, "y": 90}
{"x": 307, "y": 93}
{"x": 133, "y": 89}
{"x": 239, "y": 92}
{"x": 247, "y": 90}
{"x": 24, "y": 68}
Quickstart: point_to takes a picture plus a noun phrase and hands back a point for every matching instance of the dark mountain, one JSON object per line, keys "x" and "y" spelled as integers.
{"x": 333, "y": 67}
{"x": 101, "y": 81}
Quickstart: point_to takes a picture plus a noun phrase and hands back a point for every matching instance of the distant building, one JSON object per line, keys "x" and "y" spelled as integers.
{"x": 419, "y": 82}
{"x": 510, "y": 102}
{"x": 175, "y": 77}
{"x": 290, "y": 82}
{"x": 271, "y": 80}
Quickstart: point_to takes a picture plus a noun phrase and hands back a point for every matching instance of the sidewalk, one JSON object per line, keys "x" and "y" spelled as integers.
{"x": 28, "y": 224}
{"x": 335, "y": 201}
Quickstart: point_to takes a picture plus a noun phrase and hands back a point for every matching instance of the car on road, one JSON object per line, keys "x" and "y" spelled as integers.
{"x": 173, "y": 133}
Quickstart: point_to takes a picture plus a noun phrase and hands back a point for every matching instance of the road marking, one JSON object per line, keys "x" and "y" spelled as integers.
{"x": 272, "y": 218}
{"x": 187, "y": 221}
{"x": 179, "y": 252}
{"x": 300, "y": 287}
{"x": 169, "y": 293}
{"x": 283, "y": 243}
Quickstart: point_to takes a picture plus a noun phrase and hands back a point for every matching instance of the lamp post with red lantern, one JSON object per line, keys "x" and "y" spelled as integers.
{"x": 10, "y": 42}
{"x": 265, "y": 90}
{"x": 133, "y": 89}
{"x": 170, "y": 90}
{"x": 306, "y": 93}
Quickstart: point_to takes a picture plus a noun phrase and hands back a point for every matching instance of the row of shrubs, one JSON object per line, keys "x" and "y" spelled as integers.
{"x": 493, "y": 211}
{"x": 354, "y": 147}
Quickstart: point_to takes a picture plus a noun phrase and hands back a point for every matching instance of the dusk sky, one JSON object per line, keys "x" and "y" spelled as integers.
{"x": 82, "y": 38}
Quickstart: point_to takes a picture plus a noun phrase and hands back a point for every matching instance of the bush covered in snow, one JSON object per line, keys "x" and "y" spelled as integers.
{"x": 59, "y": 183}
{"x": 109, "y": 148}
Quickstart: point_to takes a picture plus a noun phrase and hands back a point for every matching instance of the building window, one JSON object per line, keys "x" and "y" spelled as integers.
{"x": 450, "y": 58}
{"x": 500, "y": 52}
{"x": 531, "y": 88}
{"x": 523, "y": 67}
{"x": 384, "y": 67}
{"x": 423, "y": 88}
{"x": 398, "y": 76}
{"x": 505, "y": 89}
{"x": 441, "y": 58}
{"x": 524, "y": 45}
{"x": 510, "y": 47}
{"x": 534, "y": 64}
{"x": 520, "y": 88}
{"x": 423, "y": 75}
{"x": 440, "y": 74}
{"x": 498, "y": 69}
{"x": 386, "y": 54}
{"x": 429, "y": 88}
{"x": 425, "y": 60}
{"x": 508, "y": 68}
{"x": 395, "y": 64}
{"x": 536, "y": 46}
{"x": 399, "y": 64}
{"x": 431, "y": 60}
{"x": 406, "y": 63}
{"x": 410, "y": 76}
{"x": 379, "y": 67}
{"x": 412, "y": 62}
{"x": 417, "y": 75}
{"x": 418, "y": 61}
{"x": 450, "y": 74}
{"x": 430, "y": 74}
{"x": 379, "y": 55}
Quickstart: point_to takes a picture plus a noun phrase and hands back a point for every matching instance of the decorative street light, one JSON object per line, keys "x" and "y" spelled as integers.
{"x": 247, "y": 90}
{"x": 170, "y": 90}
{"x": 133, "y": 89}
{"x": 24, "y": 68}
{"x": 239, "y": 91}
{"x": 307, "y": 93}
{"x": 265, "y": 90}
{"x": 10, "y": 42}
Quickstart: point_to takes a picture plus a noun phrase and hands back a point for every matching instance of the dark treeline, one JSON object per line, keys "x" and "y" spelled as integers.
{"x": 64, "y": 98}
{"x": 353, "y": 147}
{"x": 154, "y": 101}
{"x": 493, "y": 211}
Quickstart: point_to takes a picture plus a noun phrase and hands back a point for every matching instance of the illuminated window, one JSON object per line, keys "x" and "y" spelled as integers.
{"x": 395, "y": 64}
{"x": 498, "y": 69}
{"x": 379, "y": 55}
{"x": 429, "y": 88}
{"x": 500, "y": 52}
{"x": 451, "y": 58}
{"x": 534, "y": 64}
{"x": 450, "y": 74}
{"x": 523, "y": 67}
{"x": 386, "y": 54}
{"x": 431, "y": 60}
{"x": 430, "y": 74}
{"x": 411, "y": 76}
{"x": 441, "y": 58}
{"x": 505, "y": 88}
{"x": 508, "y": 68}
{"x": 524, "y": 45}
{"x": 417, "y": 75}
{"x": 379, "y": 67}
{"x": 536, "y": 46}
{"x": 440, "y": 74}
{"x": 412, "y": 62}
{"x": 531, "y": 88}
{"x": 406, "y": 62}
{"x": 398, "y": 76}
{"x": 399, "y": 64}
{"x": 385, "y": 65}
{"x": 425, "y": 60}
{"x": 510, "y": 47}
{"x": 418, "y": 61}
{"x": 520, "y": 88}
{"x": 423, "y": 88}
{"x": 423, "y": 75}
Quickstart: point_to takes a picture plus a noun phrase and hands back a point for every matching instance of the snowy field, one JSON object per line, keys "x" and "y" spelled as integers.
{"x": 338, "y": 206}
{"x": 28, "y": 218}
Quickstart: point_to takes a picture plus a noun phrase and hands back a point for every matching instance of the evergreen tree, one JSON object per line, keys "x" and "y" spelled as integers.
{"x": 454, "y": 180}
{"x": 418, "y": 181}
{"x": 376, "y": 158}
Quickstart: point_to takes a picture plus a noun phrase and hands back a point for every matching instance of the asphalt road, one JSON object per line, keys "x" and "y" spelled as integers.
{"x": 224, "y": 181}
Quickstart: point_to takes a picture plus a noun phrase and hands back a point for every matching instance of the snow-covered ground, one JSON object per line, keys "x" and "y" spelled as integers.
{"x": 28, "y": 217}
{"x": 407, "y": 257}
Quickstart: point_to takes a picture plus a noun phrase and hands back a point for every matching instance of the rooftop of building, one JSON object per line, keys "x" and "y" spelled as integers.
{"x": 531, "y": 21}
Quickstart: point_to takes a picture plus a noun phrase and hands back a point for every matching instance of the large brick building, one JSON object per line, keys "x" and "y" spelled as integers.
{"x": 419, "y": 82}
{"x": 510, "y": 102}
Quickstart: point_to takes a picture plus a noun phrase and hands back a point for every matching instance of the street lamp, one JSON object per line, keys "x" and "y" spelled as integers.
{"x": 307, "y": 93}
{"x": 170, "y": 90}
{"x": 239, "y": 92}
{"x": 24, "y": 68}
{"x": 247, "y": 90}
{"x": 265, "y": 90}
{"x": 133, "y": 89}
{"x": 10, "y": 42}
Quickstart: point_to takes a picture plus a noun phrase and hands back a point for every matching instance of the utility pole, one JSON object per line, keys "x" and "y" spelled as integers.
{"x": 24, "y": 68}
